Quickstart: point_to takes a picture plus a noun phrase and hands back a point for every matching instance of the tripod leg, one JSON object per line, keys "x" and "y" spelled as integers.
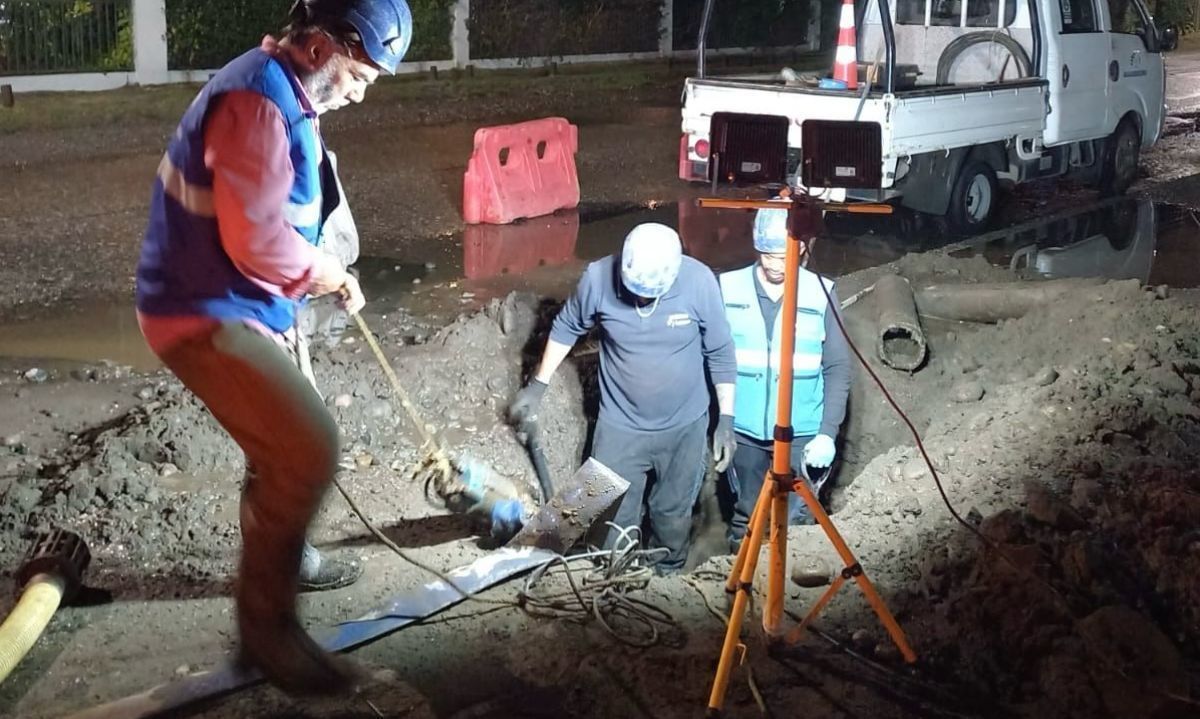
{"x": 777, "y": 579}
{"x": 750, "y": 547}
{"x": 735, "y": 575}
{"x": 856, "y": 571}
{"x": 798, "y": 633}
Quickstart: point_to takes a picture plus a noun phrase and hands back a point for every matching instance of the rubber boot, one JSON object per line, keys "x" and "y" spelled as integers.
{"x": 272, "y": 639}
{"x": 321, "y": 573}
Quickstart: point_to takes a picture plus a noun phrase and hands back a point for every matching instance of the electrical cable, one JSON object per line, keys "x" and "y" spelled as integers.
{"x": 601, "y": 593}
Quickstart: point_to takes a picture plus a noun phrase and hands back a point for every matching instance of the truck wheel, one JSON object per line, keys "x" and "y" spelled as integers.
{"x": 1121, "y": 154}
{"x": 973, "y": 198}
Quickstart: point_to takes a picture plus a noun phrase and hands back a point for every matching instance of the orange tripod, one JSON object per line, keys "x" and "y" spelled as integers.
{"x": 772, "y": 503}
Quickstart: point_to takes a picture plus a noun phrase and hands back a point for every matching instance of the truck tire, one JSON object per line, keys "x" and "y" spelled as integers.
{"x": 1121, "y": 154}
{"x": 973, "y": 198}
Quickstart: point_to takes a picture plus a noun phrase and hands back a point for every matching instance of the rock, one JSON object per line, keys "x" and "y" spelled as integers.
{"x": 1162, "y": 292}
{"x": 182, "y": 670}
{"x": 1085, "y": 494}
{"x": 364, "y": 460}
{"x": 145, "y": 393}
{"x": 342, "y": 401}
{"x": 887, "y": 652}
{"x": 810, "y": 571}
{"x": 966, "y": 392}
{"x": 1045, "y": 377}
{"x": 968, "y": 364}
{"x": 979, "y": 422}
{"x": 497, "y": 383}
{"x": 84, "y": 374}
{"x": 1003, "y": 527}
{"x": 36, "y": 375}
{"x": 13, "y": 441}
{"x": 380, "y": 409}
{"x": 416, "y": 280}
{"x": 1075, "y": 564}
{"x": 1169, "y": 382}
{"x": 1046, "y": 508}
{"x": 909, "y": 506}
{"x": 862, "y": 639}
{"x": 1064, "y": 681}
{"x": 1133, "y": 663}
{"x": 22, "y": 498}
{"x": 109, "y": 487}
{"x": 168, "y": 470}
{"x": 915, "y": 469}
{"x": 431, "y": 266}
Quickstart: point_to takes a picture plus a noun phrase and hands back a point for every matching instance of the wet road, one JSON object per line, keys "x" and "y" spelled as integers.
{"x": 1183, "y": 80}
{"x": 1132, "y": 238}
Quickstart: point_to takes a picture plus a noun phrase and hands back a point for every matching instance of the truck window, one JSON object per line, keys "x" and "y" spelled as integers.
{"x": 1078, "y": 16}
{"x": 948, "y": 13}
{"x": 1126, "y": 18}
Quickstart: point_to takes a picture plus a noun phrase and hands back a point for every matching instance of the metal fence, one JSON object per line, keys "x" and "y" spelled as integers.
{"x": 56, "y": 36}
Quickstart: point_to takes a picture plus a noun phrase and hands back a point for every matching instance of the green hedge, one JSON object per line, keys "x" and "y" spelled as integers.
{"x": 206, "y": 34}
{"x": 744, "y": 23}
{"x": 53, "y": 36}
{"x": 545, "y": 28}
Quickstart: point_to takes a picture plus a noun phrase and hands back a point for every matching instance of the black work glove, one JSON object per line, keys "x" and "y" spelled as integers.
{"x": 523, "y": 412}
{"x": 724, "y": 443}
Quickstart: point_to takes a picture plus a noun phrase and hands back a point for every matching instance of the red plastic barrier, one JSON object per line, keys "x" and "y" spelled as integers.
{"x": 493, "y": 250}
{"x": 522, "y": 170}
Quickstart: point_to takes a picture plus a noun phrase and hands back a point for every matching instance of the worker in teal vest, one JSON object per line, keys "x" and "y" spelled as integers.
{"x": 821, "y": 370}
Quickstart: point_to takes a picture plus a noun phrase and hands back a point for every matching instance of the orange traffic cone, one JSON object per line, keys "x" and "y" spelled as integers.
{"x": 845, "y": 62}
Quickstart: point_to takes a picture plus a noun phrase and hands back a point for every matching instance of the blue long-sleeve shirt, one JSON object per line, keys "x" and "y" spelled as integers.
{"x": 652, "y": 359}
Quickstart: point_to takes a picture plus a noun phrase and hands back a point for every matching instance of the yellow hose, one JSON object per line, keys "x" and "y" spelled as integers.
{"x": 25, "y": 623}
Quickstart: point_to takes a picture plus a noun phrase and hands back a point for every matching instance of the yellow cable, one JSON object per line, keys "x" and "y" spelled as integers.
{"x": 28, "y": 619}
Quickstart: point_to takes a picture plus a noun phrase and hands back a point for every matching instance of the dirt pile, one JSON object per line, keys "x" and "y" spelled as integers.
{"x": 1068, "y": 438}
{"x": 156, "y": 489}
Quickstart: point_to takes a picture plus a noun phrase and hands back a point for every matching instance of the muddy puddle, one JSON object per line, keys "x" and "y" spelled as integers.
{"x": 1123, "y": 239}
{"x": 1130, "y": 239}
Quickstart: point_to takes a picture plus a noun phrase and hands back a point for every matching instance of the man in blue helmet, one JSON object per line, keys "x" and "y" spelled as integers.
{"x": 821, "y": 369}
{"x": 661, "y": 326}
{"x": 231, "y": 253}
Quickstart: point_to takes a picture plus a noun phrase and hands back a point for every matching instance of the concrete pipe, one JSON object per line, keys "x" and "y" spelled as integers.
{"x": 990, "y": 302}
{"x": 900, "y": 341}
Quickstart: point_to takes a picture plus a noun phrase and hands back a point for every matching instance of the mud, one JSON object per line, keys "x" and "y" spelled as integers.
{"x": 1067, "y": 437}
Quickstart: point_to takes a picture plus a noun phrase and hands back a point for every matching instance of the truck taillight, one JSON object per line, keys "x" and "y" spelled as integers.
{"x": 702, "y": 149}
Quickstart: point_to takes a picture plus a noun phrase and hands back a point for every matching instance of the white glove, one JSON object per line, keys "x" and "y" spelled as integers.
{"x": 819, "y": 452}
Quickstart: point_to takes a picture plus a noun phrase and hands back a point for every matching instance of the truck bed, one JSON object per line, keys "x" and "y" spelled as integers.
{"x": 912, "y": 121}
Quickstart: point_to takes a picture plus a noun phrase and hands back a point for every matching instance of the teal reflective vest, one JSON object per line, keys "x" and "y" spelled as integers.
{"x": 756, "y": 400}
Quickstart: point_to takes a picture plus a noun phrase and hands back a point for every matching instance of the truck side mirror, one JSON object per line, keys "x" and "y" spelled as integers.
{"x": 1168, "y": 39}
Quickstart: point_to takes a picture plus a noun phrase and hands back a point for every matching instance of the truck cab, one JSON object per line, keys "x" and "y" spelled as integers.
{"x": 956, "y": 99}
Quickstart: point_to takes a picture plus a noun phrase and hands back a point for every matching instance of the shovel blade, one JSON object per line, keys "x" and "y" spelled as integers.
{"x": 568, "y": 516}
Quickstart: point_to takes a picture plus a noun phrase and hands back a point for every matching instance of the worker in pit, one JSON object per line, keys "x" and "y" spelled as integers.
{"x": 821, "y": 370}
{"x": 230, "y": 255}
{"x": 661, "y": 326}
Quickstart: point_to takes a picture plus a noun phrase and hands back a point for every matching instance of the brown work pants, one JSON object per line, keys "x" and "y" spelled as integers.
{"x": 256, "y": 388}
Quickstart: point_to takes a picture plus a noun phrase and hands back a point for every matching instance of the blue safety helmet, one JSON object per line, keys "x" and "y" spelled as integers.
{"x": 771, "y": 231}
{"x": 384, "y": 27}
{"x": 650, "y": 260}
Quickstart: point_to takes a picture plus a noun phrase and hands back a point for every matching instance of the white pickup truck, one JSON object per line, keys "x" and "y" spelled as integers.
{"x": 956, "y": 99}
